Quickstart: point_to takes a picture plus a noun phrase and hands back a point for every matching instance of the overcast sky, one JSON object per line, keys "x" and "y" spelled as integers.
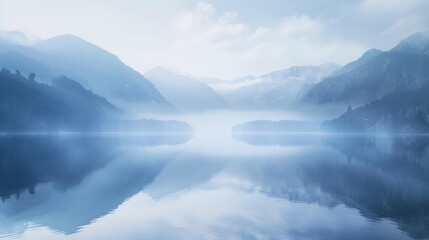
{"x": 223, "y": 38}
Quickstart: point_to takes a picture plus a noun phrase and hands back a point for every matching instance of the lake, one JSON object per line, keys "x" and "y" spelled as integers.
{"x": 214, "y": 186}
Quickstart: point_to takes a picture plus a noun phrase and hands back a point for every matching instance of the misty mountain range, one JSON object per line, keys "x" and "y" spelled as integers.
{"x": 274, "y": 90}
{"x": 64, "y": 106}
{"x": 376, "y": 74}
{"x": 384, "y": 91}
{"x": 390, "y": 90}
{"x": 184, "y": 92}
{"x": 94, "y": 68}
{"x": 278, "y": 89}
{"x": 103, "y": 87}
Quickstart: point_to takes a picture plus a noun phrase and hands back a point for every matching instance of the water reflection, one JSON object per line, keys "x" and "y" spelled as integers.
{"x": 381, "y": 176}
{"x": 316, "y": 187}
{"x": 64, "y": 182}
{"x": 277, "y": 139}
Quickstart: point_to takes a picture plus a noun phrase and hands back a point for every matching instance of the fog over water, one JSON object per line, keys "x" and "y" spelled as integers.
{"x": 213, "y": 130}
{"x": 214, "y": 184}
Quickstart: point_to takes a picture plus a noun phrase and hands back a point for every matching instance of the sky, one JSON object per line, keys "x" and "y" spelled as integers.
{"x": 223, "y": 38}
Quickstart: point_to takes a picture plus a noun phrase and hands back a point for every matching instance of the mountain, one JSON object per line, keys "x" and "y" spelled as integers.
{"x": 405, "y": 67}
{"x": 306, "y": 74}
{"x": 279, "y": 89}
{"x": 368, "y": 55}
{"x": 417, "y": 43}
{"x": 29, "y": 106}
{"x": 225, "y": 86}
{"x": 14, "y": 37}
{"x": 399, "y": 112}
{"x": 78, "y": 93}
{"x": 102, "y": 72}
{"x": 17, "y": 61}
{"x": 184, "y": 92}
{"x": 95, "y": 68}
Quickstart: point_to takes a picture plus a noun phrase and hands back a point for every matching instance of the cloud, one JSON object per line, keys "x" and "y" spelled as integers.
{"x": 224, "y": 38}
{"x": 203, "y": 25}
{"x": 402, "y": 28}
{"x": 301, "y": 27}
{"x": 219, "y": 43}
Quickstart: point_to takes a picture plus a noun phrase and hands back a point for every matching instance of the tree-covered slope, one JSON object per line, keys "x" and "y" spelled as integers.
{"x": 400, "y": 112}
{"x": 26, "y": 105}
{"x": 29, "y": 106}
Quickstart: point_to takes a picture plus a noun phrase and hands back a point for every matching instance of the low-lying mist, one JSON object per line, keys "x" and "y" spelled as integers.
{"x": 222, "y": 121}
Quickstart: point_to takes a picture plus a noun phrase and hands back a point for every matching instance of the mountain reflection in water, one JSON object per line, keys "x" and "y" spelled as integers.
{"x": 292, "y": 186}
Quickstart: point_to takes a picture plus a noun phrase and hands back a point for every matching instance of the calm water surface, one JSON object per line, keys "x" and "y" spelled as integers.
{"x": 209, "y": 186}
